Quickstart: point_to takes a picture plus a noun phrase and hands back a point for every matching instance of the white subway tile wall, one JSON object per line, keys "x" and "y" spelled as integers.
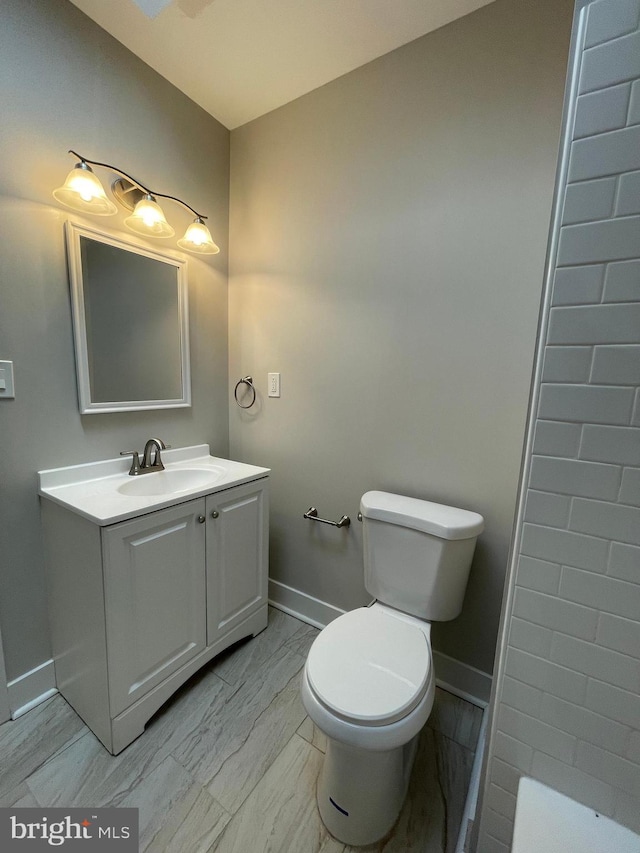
{"x": 568, "y": 697}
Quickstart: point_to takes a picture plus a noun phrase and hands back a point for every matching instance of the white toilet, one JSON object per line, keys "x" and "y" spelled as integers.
{"x": 368, "y": 682}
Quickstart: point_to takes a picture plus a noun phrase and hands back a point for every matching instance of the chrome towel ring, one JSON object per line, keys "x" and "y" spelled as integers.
{"x": 246, "y": 380}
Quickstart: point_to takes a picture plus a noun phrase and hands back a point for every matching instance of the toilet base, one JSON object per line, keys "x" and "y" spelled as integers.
{"x": 361, "y": 792}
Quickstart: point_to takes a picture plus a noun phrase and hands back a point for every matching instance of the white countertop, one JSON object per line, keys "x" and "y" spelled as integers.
{"x": 92, "y": 489}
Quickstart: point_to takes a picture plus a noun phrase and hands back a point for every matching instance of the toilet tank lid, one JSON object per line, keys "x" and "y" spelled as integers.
{"x": 446, "y": 522}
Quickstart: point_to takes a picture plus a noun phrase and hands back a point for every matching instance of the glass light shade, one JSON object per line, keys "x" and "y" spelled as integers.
{"x": 148, "y": 219}
{"x": 83, "y": 191}
{"x": 197, "y": 238}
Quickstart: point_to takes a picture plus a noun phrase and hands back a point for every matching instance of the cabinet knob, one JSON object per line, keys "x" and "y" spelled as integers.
{"x": 215, "y": 513}
{"x": 201, "y": 519}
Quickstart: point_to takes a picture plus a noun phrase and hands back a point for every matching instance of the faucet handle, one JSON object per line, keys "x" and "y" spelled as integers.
{"x": 135, "y": 462}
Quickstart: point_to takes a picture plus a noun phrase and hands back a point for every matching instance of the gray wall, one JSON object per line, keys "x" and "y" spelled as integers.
{"x": 67, "y": 84}
{"x": 567, "y": 699}
{"x": 388, "y": 237}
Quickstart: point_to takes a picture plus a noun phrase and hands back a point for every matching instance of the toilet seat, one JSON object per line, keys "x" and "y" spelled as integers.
{"x": 369, "y": 667}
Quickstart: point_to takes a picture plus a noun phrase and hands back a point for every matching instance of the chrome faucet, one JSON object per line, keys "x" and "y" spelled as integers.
{"x": 156, "y": 465}
{"x": 152, "y": 450}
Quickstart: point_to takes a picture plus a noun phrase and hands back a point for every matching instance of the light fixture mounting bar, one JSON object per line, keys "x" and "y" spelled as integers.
{"x": 136, "y": 183}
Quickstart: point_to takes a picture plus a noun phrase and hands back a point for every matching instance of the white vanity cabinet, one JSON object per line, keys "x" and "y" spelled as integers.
{"x": 138, "y": 606}
{"x": 237, "y": 546}
{"x": 154, "y": 598}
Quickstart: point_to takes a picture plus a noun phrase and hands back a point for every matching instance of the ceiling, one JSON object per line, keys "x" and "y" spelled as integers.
{"x": 239, "y": 59}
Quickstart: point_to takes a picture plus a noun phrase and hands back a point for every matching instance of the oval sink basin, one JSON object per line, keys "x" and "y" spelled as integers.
{"x": 170, "y": 482}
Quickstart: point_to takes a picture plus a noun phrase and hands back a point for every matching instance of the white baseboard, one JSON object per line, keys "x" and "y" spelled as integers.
{"x": 31, "y": 689}
{"x": 458, "y": 678}
{"x": 305, "y": 607}
{"x": 462, "y": 679}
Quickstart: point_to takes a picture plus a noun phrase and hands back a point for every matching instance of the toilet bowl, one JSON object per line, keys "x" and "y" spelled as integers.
{"x": 368, "y": 682}
{"x": 369, "y": 686}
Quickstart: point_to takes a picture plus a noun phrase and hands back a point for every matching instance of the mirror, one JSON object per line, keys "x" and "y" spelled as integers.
{"x": 130, "y": 324}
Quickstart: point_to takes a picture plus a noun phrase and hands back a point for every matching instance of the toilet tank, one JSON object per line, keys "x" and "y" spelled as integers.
{"x": 417, "y": 554}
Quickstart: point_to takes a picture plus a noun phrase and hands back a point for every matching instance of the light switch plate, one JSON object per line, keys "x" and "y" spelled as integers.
{"x": 6, "y": 380}
{"x": 273, "y": 382}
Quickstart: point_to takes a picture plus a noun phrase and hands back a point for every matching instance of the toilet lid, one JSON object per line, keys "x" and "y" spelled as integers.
{"x": 370, "y": 667}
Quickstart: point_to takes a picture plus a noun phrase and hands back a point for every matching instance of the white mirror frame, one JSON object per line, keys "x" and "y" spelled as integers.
{"x": 74, "y": 232}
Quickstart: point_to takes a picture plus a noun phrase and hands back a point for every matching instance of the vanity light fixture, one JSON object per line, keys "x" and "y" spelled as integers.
{"x": 83, "y": 191}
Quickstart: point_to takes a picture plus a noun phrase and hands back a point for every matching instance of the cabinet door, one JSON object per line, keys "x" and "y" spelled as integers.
{"x": 237, "y": 556}
{"x": 154, "y": 577}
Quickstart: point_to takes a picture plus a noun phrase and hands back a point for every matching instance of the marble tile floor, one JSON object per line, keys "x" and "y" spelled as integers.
{"x": 230, "y": 762}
